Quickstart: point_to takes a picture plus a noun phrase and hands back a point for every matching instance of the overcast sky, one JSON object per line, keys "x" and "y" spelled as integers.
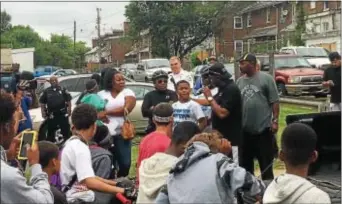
{"x": 58, "y": 17}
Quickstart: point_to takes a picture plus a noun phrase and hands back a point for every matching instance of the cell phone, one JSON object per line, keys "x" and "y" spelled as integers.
{"x": 27, "y": 138}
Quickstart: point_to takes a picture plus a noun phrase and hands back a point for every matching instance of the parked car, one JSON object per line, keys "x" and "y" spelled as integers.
{"x": 131, "y": 71}
{"x": 149, "y": 66}
{"x": 317, "y": 56}
{"x": 76, "y": 84}
{"x": 45, "y": 70}
{"x": 294, "y": 75}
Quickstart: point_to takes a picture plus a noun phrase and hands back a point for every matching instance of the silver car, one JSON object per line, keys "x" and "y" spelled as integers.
{"x": 76, "y": 85}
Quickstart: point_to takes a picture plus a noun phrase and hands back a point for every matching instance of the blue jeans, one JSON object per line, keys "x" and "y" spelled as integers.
{"x": 122, "y": 155}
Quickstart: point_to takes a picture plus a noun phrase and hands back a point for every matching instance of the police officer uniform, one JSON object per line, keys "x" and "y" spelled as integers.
{"x": 175, "y": 78}
{"x": 56, "y": 99}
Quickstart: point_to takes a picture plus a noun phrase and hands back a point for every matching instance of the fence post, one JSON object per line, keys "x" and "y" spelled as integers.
{"x": 271, "y": 64}
{"x": 236, "y": 66}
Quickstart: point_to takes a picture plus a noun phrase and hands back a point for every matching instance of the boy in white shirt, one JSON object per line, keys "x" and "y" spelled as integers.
{"x": 186, "y": 109}
{"x": 298, "y": 143}
{"x": 77, "y": 175}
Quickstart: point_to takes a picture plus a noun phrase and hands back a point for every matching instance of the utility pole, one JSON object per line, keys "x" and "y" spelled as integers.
{"x": 74, "y": 44}
{"x": 99, "y": 40}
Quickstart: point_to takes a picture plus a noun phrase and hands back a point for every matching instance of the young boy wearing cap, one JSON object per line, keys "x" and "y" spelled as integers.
{"x": 260, "y": 116}
{"x": 332, "y": 79}
{"x": 298, "y": 143}
{"x": 159, "y": 140}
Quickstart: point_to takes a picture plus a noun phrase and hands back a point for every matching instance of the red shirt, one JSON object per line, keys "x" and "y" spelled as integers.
{"x": 151, "y": 144}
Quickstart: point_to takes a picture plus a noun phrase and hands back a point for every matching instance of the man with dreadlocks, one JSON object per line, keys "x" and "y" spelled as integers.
{"x": 205, "y": 154}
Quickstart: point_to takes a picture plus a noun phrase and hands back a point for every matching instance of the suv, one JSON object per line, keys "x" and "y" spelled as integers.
{"x": 317, "y": 56}
{"x": 149, "y": 66}
{"x": 294, "y": 75}
{"x": 45, "y": 70}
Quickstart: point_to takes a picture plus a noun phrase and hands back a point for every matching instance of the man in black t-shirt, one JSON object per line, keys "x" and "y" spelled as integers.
{"x": 332, "y": 79}
{"x": 153, "y": 98}
{"x": 226, "y": 106}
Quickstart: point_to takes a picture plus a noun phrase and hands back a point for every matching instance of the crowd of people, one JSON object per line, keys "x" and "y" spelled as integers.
{"x": 196, "y": 149}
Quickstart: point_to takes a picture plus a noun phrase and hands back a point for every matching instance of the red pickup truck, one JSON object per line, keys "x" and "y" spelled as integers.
{"x": 294, "y": 75}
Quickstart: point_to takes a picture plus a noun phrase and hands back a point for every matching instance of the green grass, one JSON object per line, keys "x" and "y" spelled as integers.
{"x": 285, "y": 109}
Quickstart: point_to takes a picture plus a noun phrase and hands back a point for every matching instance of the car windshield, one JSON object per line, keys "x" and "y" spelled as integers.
{"x": 130, "y": 66}
{"x": 230, "y": 68}
{"x": 40, "y": 69}
{"x": 312, "y": 52}
{"x": 157, "y": 63}
{"x": 291, "y": 62}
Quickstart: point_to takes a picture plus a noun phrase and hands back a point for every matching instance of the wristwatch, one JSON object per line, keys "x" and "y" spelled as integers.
{"x": 210, "y": 99}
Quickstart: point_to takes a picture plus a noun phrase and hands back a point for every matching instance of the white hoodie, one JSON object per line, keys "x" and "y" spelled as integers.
{"x": 153, "y": 173}
{"x": 289, "y": 188}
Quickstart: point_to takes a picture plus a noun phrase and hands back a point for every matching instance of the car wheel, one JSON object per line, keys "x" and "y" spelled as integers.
{"x": 281, "y": 89}
{"x": 146, "y": 79}
{"x": 132, "y": 77}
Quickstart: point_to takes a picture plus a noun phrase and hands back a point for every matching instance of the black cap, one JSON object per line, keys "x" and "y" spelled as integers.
{"x": 334, "y": 55}
{"x": 248, "y": 57}
{"x": 219, "y": 69}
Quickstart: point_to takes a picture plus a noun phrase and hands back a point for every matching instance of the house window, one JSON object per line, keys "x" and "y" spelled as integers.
{"x": 249, "y": 20}
{"x": 238, "y": 47}
{"x": 325, "y": 26}
{"x": 268, "y": 15}
{"x": 312, "y": 4}
{"x": 326, "y": 5}
{"x": 237, "y": 22}
{"x": 294, "y": 12}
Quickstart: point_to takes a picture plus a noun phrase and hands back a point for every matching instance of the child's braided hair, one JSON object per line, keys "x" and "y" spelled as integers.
{"x": 214, "y": 140}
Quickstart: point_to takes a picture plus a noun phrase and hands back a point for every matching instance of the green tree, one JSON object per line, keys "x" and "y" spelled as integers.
{"x": 175, "y": 28}
{"x": 20, "y": 37}
{"x": 5, "y": 22}
{"x": 194, "y": 59}
{"x": 300, "y": 27}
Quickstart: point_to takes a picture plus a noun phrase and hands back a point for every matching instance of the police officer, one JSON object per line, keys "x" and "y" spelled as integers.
{"x": 160, "y": 95}
{"x": 56, "y": 107}
{"x": 178, "y": 74}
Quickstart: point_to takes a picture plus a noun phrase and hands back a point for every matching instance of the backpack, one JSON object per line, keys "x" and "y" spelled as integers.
{"x": 101, "y": 162}
{"x": 55, "y": 99}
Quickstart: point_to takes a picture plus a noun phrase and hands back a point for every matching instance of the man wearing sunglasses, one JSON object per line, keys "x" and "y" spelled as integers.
{"x": 226, "y": 106}
{"x": 160, "y": 95}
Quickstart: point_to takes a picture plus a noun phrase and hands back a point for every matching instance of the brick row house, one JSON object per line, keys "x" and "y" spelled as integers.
{"x": 264, "y": 26}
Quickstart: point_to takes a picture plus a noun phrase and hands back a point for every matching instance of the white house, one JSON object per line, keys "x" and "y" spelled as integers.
{"x": 324, "y": 29}
{"x": 24, "y": 57}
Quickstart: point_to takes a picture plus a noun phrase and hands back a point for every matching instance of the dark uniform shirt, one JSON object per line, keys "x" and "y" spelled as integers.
{"x": 56, "y": 99}
{"x": 334, "y": 74}
{"x": 153, "y": 98}
{"x": 230, "y": 127}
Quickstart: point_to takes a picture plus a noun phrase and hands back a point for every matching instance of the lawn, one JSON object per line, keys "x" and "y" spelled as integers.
{"x": 285, "y": 109}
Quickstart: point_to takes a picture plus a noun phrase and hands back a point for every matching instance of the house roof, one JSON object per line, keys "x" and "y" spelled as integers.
{"x": 262, "y": 32}
{"x": 259, "y": 5}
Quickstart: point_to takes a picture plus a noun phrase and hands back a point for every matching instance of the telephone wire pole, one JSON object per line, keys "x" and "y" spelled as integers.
{"x": 99, "y": 40}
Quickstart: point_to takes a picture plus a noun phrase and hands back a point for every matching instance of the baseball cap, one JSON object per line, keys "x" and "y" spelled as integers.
{"x": 334, "y": 55}
{"x": 219, "y": 69}
{"x": 247, "y": 57}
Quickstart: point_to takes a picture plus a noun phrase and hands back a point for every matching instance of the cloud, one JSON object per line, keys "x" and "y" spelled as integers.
{"x": 58, "y": 17}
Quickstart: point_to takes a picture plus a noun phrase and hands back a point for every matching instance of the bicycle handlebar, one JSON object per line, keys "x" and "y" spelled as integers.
{"x": 122, "y": 198}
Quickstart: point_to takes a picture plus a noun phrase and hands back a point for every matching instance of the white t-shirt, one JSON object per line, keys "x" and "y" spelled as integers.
{"x": 182, "y": 75}
{"x": 76, "y": 159}
{"x": 189, "y": 111}
{"x": 115, "y": 122}
{"x": 207, "y": 109}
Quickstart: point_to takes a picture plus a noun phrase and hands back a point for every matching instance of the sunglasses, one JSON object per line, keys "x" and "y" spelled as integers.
{"x": 161, "y": 81}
